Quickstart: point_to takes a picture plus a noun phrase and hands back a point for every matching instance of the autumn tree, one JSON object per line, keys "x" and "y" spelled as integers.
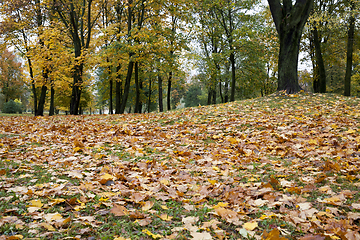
{"x": 289, "y": 19}
{"x": 11, "y": 76}
{"x": 78, "y": 18}
{"x": 22, "y": 25}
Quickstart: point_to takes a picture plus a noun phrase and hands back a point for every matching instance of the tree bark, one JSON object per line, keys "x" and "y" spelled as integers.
{"x": 137, "y": 88}
{"x": 33, "y": 87}
{"x": 111, "y": 108}
{"x": 233, "y": 80}
{"x": 40, "y": 108}
{"x": 52, "y": 106}
{"x": 289, "y": 21}
{"x": 127, "y": 85}
{"x": 118, "y": 90}
{"x": 149, "y": 97}
{"x": 169, "y": 91}
{"x": 161, "y": 106}
{"x": 320, "y": 62}
{"x": 349, "y": 53}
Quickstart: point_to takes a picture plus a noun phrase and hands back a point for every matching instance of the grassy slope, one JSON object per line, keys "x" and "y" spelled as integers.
{"x": 288, "y": 165}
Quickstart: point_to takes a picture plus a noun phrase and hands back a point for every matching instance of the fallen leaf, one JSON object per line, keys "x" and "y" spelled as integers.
{"x": 119, "y": 211}
{"x": 250, "y": 226}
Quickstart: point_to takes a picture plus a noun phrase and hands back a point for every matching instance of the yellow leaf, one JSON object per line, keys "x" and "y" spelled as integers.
{"x": 212, "y": 181}
{"x": 47, "y": 226}
{"x": 250, "y": 225}
{"x": 216, "y": 168}
{"x": 36, "y": 203}
{"x": 106, "y": 177}
{"x": 221, "y": 205}
{"x": 165, "y": 217}
{"x": 164, "y": 207}
{"x": 154, "y": 236}
{"x": 165, "y": 182}
{"x": 77, "y": 149}
{"x": 351, "y": 131}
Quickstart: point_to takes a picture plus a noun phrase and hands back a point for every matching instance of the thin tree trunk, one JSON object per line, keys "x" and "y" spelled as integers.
{"x": 33, "y": 87}
{"x": 233, "y": 80}
{"x": 349, "y": 53}
{"x": 169, "y": 91}
{"x": 111, "y": 108}
{"x": 118, "y": 91}
{"x": 137, "y": 88}
{"x": 149, "y": 97}
{"x": 161, "y": 106}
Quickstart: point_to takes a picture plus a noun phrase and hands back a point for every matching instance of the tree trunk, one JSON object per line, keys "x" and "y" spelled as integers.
{"x": 127, "y": 85}
{"x": 111, "y": 109}
{"x": 220, "y": 91}
{"x": 118, "y": 91}
{"x": 33, "y": 87}
{"x": 77, "y": 79}
{"x": 288, "y": 60}
{"x": 349, "y": 53}
{"x": 40, "y": 108}
{"x": 233, "y": 80}
{"x": 169, "y": 91}
{"x": 319, "y": 62}
{"x": 137, "y": 88}
{"x": 214, "y": 96}
{"x": 161, "y": 106}
{"x": 289, "y": 21}
{"x": 149, "y": 97}
{"x": 52, "y": 96}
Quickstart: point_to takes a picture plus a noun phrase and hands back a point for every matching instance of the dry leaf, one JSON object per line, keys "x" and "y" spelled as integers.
{"x": 119, "y": 211}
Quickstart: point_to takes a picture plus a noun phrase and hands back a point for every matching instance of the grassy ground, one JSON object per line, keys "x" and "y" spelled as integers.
{"x": 271, "y": 168}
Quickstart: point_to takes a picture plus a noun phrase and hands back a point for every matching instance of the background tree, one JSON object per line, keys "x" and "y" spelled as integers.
{"x": 11, "y": 76}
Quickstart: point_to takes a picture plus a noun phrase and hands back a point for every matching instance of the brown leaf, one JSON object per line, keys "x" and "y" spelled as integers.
{"x": 119, "y": 211}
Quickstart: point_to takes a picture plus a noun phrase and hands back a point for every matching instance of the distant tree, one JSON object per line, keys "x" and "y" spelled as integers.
{"x": 192, "y": 95}
{"x": 11, "y": 81}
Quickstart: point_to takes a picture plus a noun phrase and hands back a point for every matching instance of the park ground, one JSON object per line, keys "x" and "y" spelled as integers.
{"x": 278, "y": 167}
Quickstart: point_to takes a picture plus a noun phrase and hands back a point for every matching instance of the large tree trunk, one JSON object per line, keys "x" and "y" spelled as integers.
{"x": 288, "y": 60}
{"x": 40, "y": 108}
{"x": 349, "y": 53}
{"x": 320, "y": 62}
{"x": 289, "y": 20}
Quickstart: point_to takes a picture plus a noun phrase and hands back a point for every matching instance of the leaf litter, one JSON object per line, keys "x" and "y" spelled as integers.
{"x": 280, "y": 167}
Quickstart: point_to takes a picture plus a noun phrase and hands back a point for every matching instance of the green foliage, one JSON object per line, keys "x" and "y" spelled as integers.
{"x": 192, "y": 96}
{"x": 12, "y": 107}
